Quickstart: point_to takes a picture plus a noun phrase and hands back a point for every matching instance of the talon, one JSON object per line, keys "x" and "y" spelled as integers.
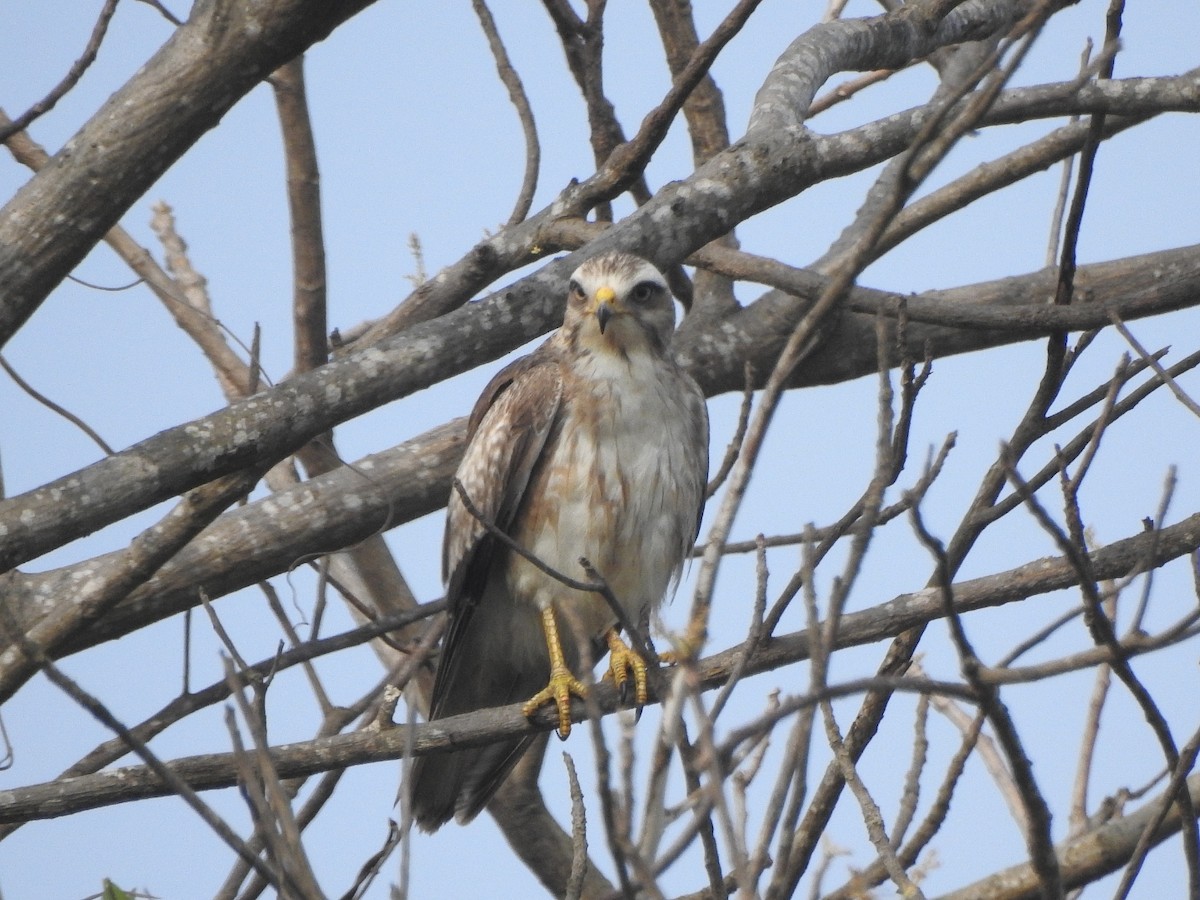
{"x": 561, "y": 686}
{"x": 562, "y": 683}
{"x": 621, "y": 661}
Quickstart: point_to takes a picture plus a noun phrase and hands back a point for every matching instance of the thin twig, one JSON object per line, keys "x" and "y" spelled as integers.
{"x": 739, "y": 434}
{"x": 47, "y": 103}
{"x": 1160, "y": 517}
{"x": 264, "y": 791}
{"x": 56, "y": 408}
{"x": 848, "y": 89}
{"x": 579, "y": 857}
{"x": 628, "y": 160}
{"x": 1078, "y": 815}
{"x": 1087, "y": 160}
{"x": 1071, "y": 543}
{"x": 309, "y": 307}
{"x": 1064, "y": 186}
{"x": 1152, "y": 360}
{"x": 146, "y": 554}
{"x": 516, "y": 94}
{"x": 596, "y": 586}
{"x": 162, "y": 771}
{"x": 1038, "y": 837}
{"x": 370, "y": 869}
{"x": 166, "y": 13}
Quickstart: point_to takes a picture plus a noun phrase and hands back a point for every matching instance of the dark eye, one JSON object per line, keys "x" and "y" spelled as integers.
{"x": 575, "y": 291}
{"x": 643, "y": 292}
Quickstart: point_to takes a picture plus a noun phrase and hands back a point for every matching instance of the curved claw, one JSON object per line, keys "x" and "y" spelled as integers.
{"x": 561, "y": 686}
{"x": 621, "y": 661}
{"x": 562, "y": 683}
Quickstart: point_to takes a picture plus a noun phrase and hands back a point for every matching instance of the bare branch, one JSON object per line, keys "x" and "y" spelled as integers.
{"x": 516, "y": 94}
{"x": 1086, "y": 859}
{"x": 304, "y": 201}
{"x": 578, "y": 833}
{"x": 165, "y": 775}
{"x": 723, "y": 780}
{"x": 47, "y": 103}
{"x": 106, "y": 173}
{"x": 55, "y": 408}
{"x": 121, "y": 574}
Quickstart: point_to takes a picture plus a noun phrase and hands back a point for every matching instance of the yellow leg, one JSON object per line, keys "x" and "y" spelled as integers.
{"x": 622, "y": 660}
{"x": 562, "y": 683}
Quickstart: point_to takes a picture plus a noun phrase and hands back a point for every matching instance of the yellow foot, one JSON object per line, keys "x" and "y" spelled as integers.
{"x": 621, "y": 661}
{"x": 562, "y": 685}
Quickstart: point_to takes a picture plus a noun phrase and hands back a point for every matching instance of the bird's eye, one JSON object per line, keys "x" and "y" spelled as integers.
{"x": 575, "y": 291}
{"x": 643, "y": 291}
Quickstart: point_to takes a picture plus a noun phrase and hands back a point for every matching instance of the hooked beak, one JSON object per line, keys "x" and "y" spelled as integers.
{"x": 604, "y": 298}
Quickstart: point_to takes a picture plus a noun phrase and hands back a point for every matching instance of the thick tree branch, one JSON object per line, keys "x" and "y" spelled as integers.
{"x": 103, "y": 169}
{"x": 266, "y": 537}
{"x": 218, "y": 770}
{"x": 1084, "y": 860}
{"x": 270, "y": 425}
{"x": 435, "y": 334}
{"x": 223, "y": 50}
{"x": 229, "y": 556}
{"x": 118, "y": 576}
{"x": 47, "y": 103}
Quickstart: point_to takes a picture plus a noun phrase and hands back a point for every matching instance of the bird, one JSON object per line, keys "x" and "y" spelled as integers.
{"x": 595, "y": 445}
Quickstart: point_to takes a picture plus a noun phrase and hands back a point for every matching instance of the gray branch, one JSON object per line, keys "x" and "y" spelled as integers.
{"x": 224, "y": 49}
{"x": 880, "y": 622}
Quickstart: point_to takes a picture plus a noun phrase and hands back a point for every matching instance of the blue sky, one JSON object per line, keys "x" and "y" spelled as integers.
{"x": 415, "y": 136}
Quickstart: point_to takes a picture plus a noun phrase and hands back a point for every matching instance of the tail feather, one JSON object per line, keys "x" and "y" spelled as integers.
{"x": 458, "y": 785}
{"x": 481, "y": 672}
{"x": 497, "y": 658}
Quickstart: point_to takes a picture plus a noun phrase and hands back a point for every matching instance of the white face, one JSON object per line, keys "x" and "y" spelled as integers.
{"x": 619, "y": 302}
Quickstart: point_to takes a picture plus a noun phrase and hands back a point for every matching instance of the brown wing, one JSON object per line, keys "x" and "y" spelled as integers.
{"x": 506, "y": 435}
{"x": 697, "y": 413}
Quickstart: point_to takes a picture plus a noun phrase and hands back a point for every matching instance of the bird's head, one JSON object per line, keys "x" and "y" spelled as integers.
{"x": 619, "y": 303}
